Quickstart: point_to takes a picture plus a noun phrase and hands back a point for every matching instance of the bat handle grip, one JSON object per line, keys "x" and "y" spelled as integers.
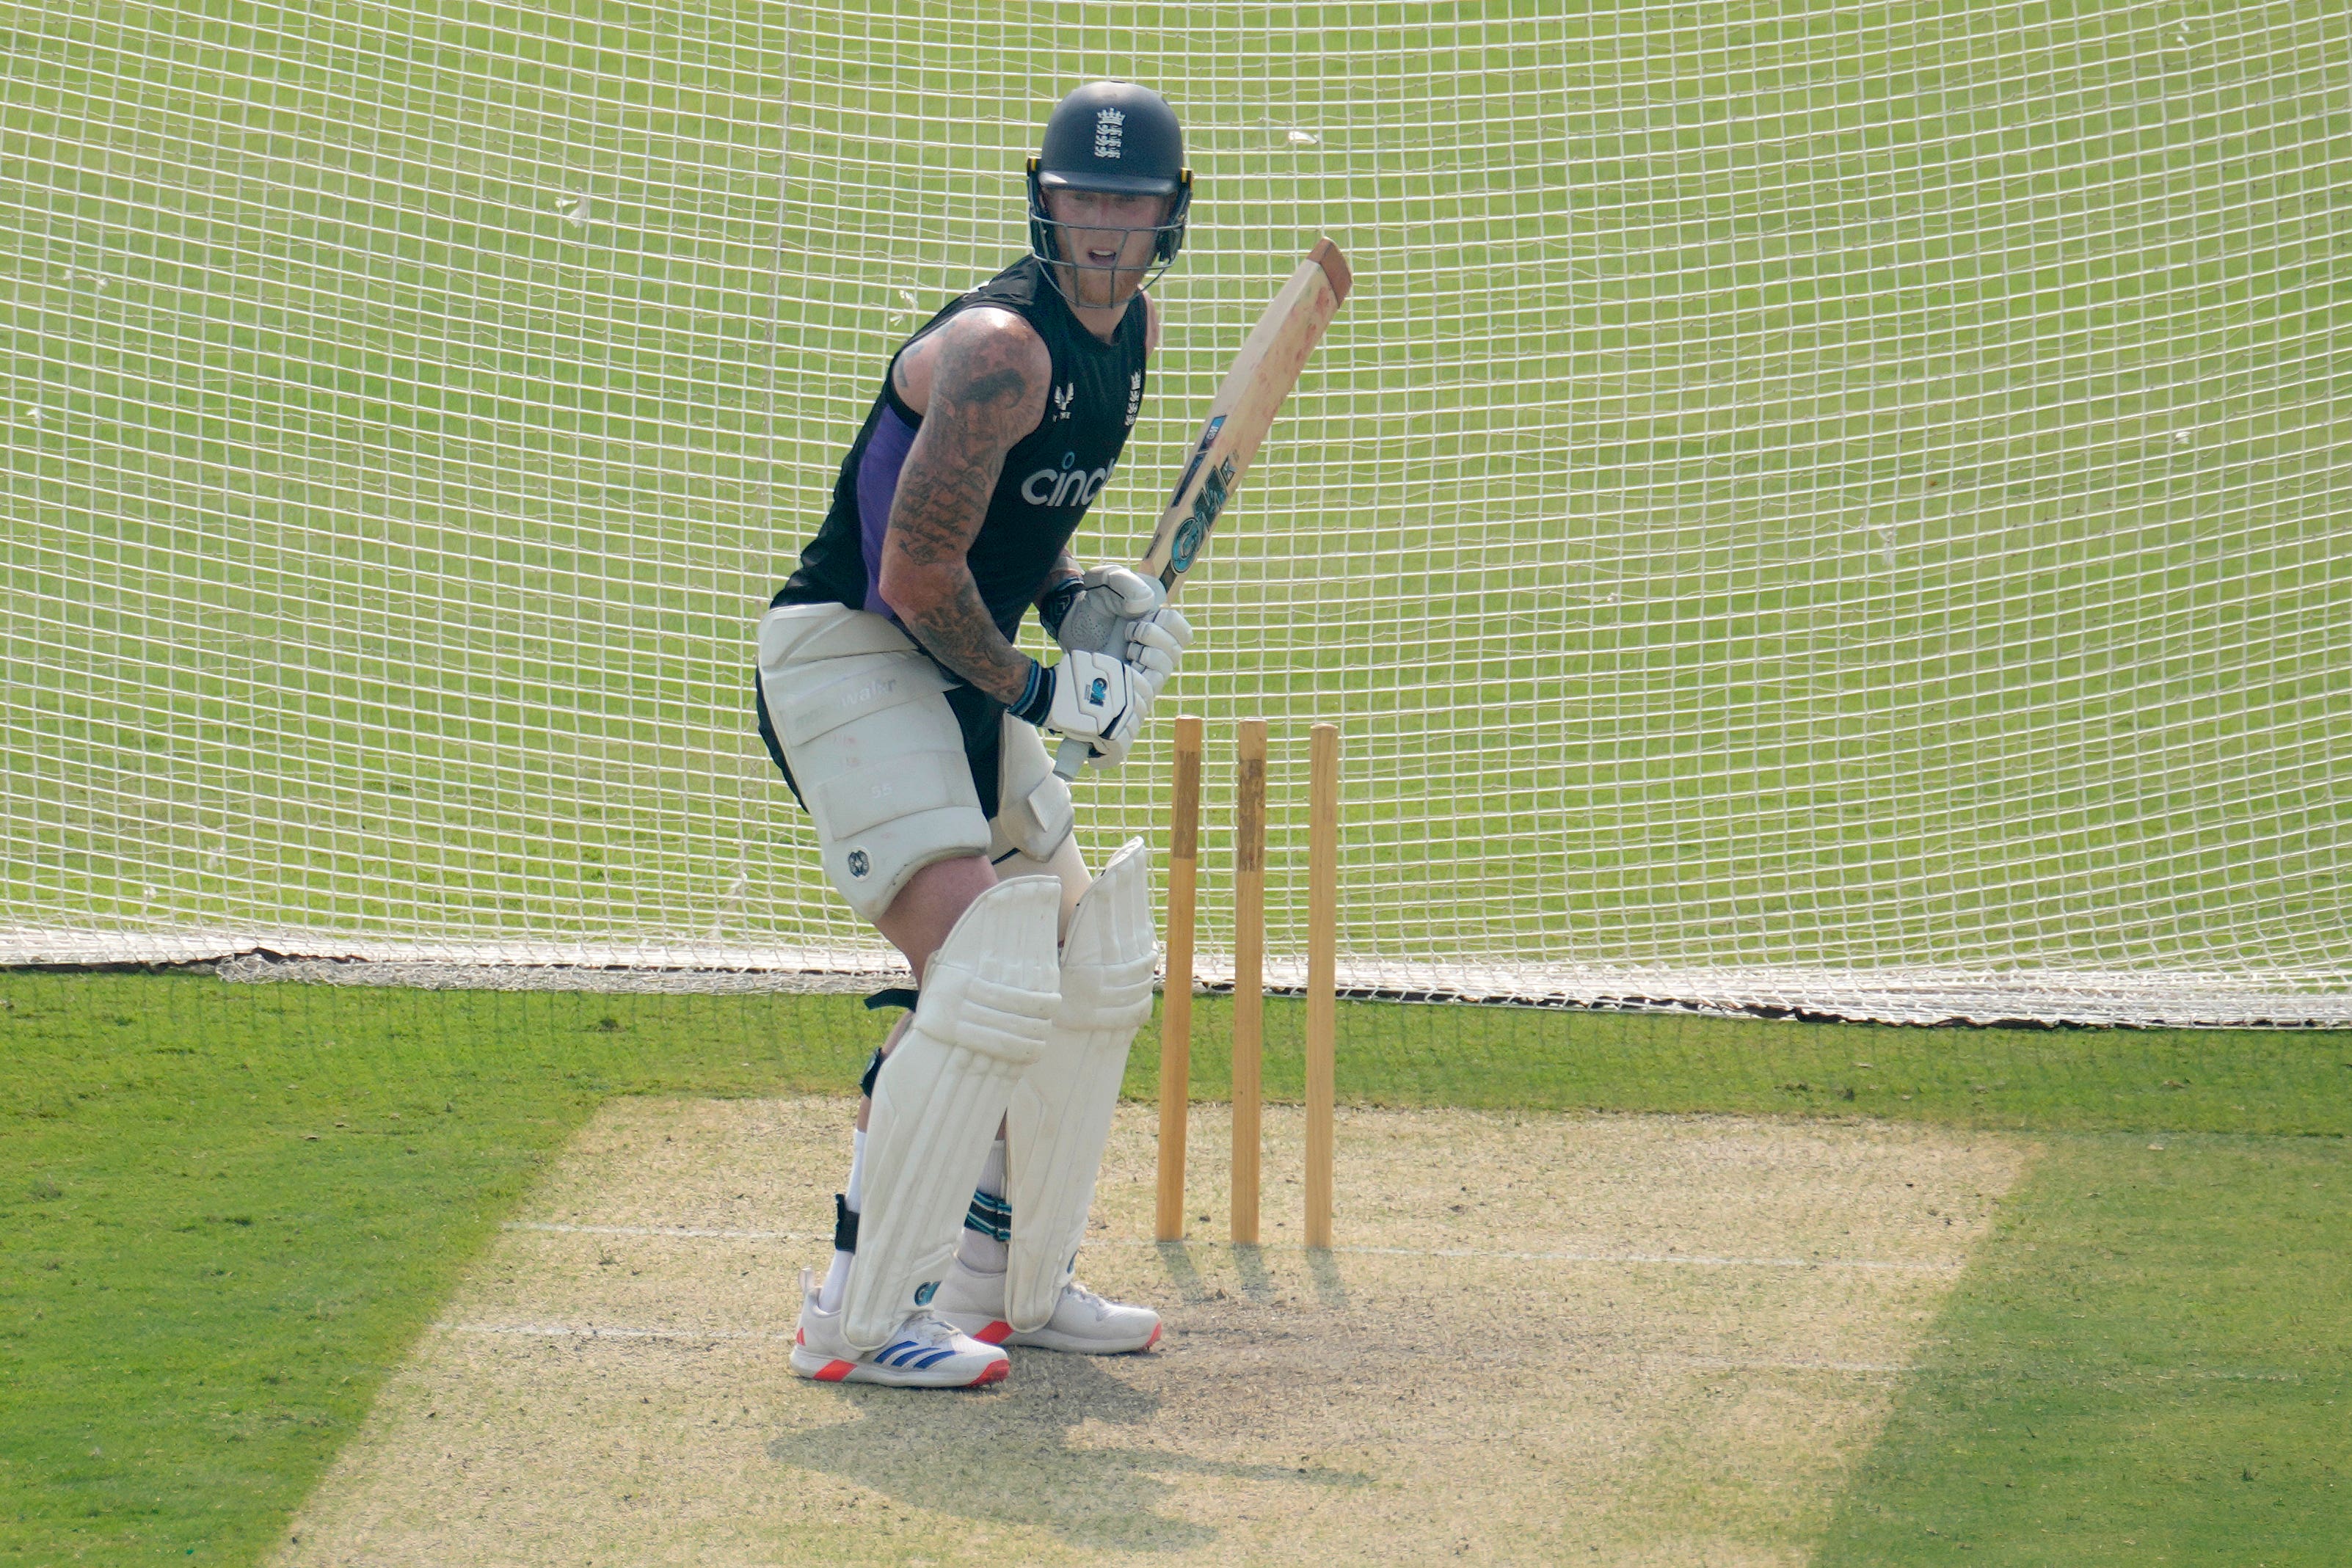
{"x": 1072, "y": 757}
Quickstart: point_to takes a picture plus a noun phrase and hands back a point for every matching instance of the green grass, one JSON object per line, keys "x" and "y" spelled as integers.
{"x": 228, "y": 1210}
{"x": 2151, "y": 1363}
{"x": 2287, "y": 1082}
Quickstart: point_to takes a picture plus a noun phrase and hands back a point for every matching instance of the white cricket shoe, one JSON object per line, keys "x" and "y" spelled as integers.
{"x": 974, "y": 1302}
{"x": 921, "y": 1353}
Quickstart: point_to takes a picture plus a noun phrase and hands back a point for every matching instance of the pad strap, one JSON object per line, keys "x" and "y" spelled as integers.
{"x": 891, "y": 997}
{"x": 990, "y": 1215}
{"x": 844, "y": 1225}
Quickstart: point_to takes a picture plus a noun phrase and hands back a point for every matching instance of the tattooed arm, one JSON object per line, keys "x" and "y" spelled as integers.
{"x": 979, "y": 383}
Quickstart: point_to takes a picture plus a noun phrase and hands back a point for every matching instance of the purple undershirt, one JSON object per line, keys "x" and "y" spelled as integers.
{"x": 878, "y": 484}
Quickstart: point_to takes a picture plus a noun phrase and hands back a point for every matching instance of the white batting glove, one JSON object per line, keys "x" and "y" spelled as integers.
{"x": 1119, "y": 611}
{"x": 1156, "y": 644}
{"x": 1106, "y": 596}
{"x": 1098, "y": 698}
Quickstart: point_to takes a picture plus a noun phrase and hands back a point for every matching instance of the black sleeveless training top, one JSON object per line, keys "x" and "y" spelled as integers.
{"x": 1049, "y": 478}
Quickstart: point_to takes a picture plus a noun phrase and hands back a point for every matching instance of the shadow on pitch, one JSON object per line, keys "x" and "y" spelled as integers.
{"x": 1003, "y": 1456}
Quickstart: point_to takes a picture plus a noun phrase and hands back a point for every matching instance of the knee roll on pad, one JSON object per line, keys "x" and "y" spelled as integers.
{"x": 1060, "y": 1114}
{"x": 876, "y": 754}
{"x": 988, "y": 1001}
{"x": 1067, "y": 867}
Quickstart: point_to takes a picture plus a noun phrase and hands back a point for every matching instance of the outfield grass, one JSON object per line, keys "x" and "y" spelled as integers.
{"x": 231, "y": 1208}
{"x": 2151, "y": 1364}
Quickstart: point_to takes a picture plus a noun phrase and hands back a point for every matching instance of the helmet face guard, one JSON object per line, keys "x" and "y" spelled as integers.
{"x": 1118, "y": 139}
{"x": 1166, "y": 236}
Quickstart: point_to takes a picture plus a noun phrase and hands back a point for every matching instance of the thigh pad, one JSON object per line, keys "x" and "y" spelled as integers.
{"x": 874, "y": 748}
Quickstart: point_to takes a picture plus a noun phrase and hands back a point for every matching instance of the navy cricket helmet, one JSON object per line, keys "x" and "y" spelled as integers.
{"x": 1117, "y": 137}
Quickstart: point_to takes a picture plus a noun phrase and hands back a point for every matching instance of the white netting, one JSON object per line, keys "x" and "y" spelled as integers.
{"x": 1818, "y": 500}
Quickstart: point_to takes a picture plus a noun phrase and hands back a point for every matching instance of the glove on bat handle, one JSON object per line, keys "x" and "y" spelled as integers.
{"x": 1089, "y": 626}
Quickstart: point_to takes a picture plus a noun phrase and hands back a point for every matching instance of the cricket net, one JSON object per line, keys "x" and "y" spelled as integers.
{"x": 1811, "y": 507}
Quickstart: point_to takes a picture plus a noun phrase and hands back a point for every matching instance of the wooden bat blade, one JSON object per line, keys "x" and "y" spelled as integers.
{"x": 1239, "y": 416}
{"x": 1243, "y": 410}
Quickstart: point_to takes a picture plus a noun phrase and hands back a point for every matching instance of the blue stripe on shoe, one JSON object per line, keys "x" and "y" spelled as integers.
{"x": 932, "y": 1360}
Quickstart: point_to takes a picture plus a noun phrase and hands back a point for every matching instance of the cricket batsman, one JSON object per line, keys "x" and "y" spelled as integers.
{"x": 906, "y": 722}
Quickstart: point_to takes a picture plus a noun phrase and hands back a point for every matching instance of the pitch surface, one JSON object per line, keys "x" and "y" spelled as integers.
{"x": 1544, "y": 1338}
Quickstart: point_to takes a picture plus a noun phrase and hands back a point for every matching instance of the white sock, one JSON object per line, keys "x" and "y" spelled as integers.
{"x": 986, "y": 1254}
{"x": 836, "y": 1277}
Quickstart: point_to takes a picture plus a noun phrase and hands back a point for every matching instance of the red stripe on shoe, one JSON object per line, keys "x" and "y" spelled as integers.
{"x": 994, "y": 1334}
{"x": 834, "y": 1370}
{"x": 1155, "y": 1337}
{"x": 997, "y": 1372}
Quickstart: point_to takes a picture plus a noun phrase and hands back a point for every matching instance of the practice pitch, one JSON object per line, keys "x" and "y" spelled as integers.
{"x": 1542, "y": 1338}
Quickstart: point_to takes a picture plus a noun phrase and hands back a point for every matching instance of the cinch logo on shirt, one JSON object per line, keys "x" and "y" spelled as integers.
{"x": 1069, "y": 485}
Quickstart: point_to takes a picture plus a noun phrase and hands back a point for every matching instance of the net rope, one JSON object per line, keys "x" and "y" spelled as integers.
{"x": 1818, "y": 507}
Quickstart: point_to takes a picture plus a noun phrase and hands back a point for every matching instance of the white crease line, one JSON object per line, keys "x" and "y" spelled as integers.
{"x": 696, "y": 1232}
{"x": 595, "y": 1331}
{"x": 601, "y": 1331}
{"x": 1695, "y": 1260}
{"x": 1724, "y": 1364}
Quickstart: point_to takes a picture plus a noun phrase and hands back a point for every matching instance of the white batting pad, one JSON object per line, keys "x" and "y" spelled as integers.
{"x": 1060, "y": 1115}
{"x": 989, "y": 997}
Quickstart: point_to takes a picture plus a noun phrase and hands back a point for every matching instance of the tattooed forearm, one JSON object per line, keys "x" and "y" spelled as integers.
{"x": 958, "y": 632}
{"x": 988, "y": 393}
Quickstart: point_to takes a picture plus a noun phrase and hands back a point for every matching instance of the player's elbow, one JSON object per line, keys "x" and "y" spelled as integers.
{"x": 911, "y": 589}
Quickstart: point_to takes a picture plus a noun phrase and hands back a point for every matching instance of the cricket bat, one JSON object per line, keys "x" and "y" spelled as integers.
{"x": 1239, "y": 416}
